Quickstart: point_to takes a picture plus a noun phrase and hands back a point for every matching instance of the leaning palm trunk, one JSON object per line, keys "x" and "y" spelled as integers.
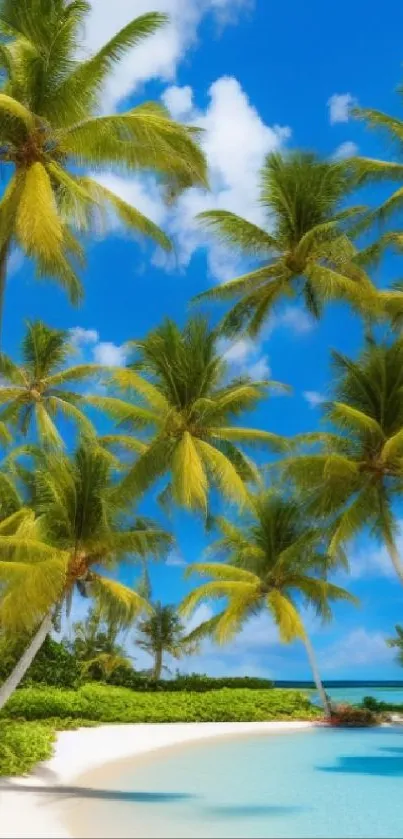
{"x": 14, "y": 679}
{"x": 4, "y": 255}
{"x": 394, "y": 555}
{"x": 316, "y": 677}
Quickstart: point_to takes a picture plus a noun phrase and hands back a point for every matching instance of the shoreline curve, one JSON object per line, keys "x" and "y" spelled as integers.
{"x": 29, "y": 805}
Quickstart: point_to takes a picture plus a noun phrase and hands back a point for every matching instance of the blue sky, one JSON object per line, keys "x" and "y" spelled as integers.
{"x": 257, "y": 76}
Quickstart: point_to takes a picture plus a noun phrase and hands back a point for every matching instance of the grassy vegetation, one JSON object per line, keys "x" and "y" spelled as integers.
{"x": 101, "y": 703}
{"x": 22, "y": 745}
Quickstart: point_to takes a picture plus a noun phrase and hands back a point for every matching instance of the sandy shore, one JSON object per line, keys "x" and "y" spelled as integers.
{"x": 29, "y": 807}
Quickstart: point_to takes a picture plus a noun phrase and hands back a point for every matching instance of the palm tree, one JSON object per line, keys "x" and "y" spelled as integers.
{"x": 79, "y": 530}
{"x": 95, "y": 644}
{"x": 369, "y": 170}
{"x": 52, "y": 134}
{"x": 274, "y": 556}
{"x": 305, "y": 250}
{"x": 397, "y": 643}
{"x": 162, "y": 632}
{"x": 356, "y": 471}
{"x": 35, "y": 390}
{"x": 191, "y": 406}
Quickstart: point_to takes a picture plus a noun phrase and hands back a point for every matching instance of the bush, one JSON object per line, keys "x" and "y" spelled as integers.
{"x": 377, "y": 706}
{"x": 347, "y": 716}
{"x": 125, "y": 677}
{"x": 107, "y": 704}
{"x": 53, "y": 665}
{"x": 22, "y": 745}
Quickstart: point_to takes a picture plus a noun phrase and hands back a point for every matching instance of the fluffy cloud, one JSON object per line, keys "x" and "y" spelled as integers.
{"x": 109, "y": 354}
{"x": 293, "y": 319}
{"x": 339, "y": 106}
{"x": 81, "y": 337}
{"x": 374, "y": 560}
{"x": 313, "y": 398}
{"x": 345, "y": 150}
{"x": 160, "y": 55}
{"x": 88, "y": 343}
{"x": 236, "y": 141}
{"x": 141, "y": 193}
{"x": 179, "y": 101}
{"x": 359, "y": 648}
{"x": 245, "y": 357}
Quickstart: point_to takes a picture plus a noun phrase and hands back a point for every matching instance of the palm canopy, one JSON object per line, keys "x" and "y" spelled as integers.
{"x": 369, "y": 170}
{"x": 272, "y": 557}
{"x": 52, "y": 131}
{"x": 356, "y": 472}
{"x": 303, "y": 252}
{"x": 162, "y": 632}
{"x": 191, "y": 407}
{"x": 37, "y": 390}
{"x": 77, "y": 532}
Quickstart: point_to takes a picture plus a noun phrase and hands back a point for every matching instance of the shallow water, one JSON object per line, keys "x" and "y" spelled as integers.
{"x": 313, "y": 783}
{"x": 355, "y": 695}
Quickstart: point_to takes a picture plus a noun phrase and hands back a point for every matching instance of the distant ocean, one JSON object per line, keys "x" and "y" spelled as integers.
{"x": 354, "y": 692}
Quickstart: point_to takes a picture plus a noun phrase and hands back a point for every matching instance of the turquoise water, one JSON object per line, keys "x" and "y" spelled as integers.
{"x": 356, "y": 695}
{"x": 315, "y": 783}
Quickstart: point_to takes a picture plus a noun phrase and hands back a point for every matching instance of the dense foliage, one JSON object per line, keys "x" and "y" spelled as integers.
{"x": 22, "y": 745}
{"x": 54, "y": 665}
{"x": 107, "y": 704}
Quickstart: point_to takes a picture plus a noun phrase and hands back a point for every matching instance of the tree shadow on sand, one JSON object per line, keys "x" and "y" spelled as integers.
{"x": 62, "y": 792}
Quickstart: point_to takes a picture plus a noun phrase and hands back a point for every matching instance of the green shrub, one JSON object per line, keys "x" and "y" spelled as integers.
{"x": 53, "y": 665}
{"x": 126, "y": 677}
{"x": 120, "y": 705}
{"x": 375, "y": 705}
{"x": 347, "y": 716}
{"x": 22, "y": 745}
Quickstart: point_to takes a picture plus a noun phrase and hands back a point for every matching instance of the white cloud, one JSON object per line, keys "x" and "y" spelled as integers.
{"x": 358, "y": 648}
{"x": 202, "y": 614}
{"x": 236, "y": 141}
{"x": 340, "y": 105}
{"x": 81, "y": 337}
{"x": 87, "y": 342}
{"x": 175, "y": 560}
{"x": 345, "y": 150}
{"x": 245, "y": 357}
{"x": 294, "y": 319}
{"x": 313, "y": 398}
{"x": 141, "y": 193}
{"x": 179, "y": 101}
{"x": 235, "y": 157}
{"x": 109, "y": 354}
{"x": 159, "y": 56}
{"x": 374, "y": 561}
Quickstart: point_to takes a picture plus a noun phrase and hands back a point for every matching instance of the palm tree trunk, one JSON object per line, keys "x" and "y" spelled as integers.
{"x": 4, "y": 254}
{"x": 157, "y": 666}
{"x": 316, "y": 677}
{"x": 8, "y": 687}
{"x": 394, "y": 555}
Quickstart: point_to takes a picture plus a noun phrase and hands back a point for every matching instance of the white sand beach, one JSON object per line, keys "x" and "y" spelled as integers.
{"x": 29, "y": 807}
